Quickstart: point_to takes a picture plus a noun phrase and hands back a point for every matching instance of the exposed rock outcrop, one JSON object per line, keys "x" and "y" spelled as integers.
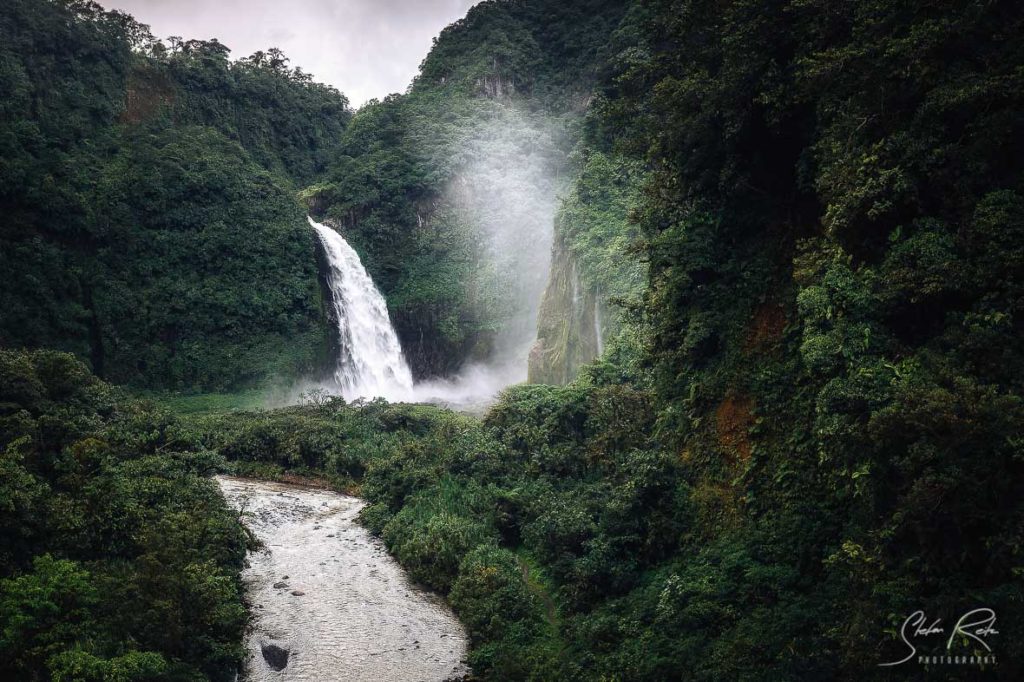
{"x": 570, "y": 325}
{"x": 275, "y": 656}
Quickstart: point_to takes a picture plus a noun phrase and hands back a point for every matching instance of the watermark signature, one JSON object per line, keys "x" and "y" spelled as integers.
{"x": 973, "y": 628}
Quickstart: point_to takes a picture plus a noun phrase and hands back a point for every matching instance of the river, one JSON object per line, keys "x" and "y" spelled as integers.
{"x": 328, "y": 602}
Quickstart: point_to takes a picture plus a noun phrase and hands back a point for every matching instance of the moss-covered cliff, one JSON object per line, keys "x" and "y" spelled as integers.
{"x": 596, "y": 272}
{"x": 569, "y": 333}
{"x": 438, "y": 187}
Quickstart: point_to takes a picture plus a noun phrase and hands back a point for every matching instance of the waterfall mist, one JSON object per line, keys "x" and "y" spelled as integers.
{"x": 506, "y": 190}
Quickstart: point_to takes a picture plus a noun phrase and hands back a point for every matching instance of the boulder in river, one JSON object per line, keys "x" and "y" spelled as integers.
{"x": 280, "y": 584}
{"x": 298, "y": 593}
{"x": 275, "y": 656}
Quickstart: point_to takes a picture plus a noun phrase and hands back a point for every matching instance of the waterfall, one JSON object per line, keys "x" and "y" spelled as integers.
{"x": 370, "y": 361}
{"x": 597, "y": 322}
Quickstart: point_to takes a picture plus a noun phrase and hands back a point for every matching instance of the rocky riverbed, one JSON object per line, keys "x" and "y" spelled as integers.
{"x": 328, "y": 601}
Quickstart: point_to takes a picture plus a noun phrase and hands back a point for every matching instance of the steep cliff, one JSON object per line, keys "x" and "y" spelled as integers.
{"x": 595, "y": 273}
{"x": 569, "y": 333}
{"x": 443, "y": 187}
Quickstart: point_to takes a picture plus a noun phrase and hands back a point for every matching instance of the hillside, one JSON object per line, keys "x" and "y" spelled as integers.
{"x": 150, "y": 224}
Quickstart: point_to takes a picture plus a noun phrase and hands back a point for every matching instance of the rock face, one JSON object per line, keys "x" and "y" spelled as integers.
{"x": 569, "y": 326}
{"x": 275, "y": 656}
{"x": 147, "y": 93}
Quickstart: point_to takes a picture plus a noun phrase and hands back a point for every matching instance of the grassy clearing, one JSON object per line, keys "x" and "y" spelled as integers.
{"x": 210, "y": 403}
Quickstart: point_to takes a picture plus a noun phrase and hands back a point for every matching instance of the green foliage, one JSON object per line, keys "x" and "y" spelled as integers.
{"x": 289, "y": 124}
{"x": 431, "y": 541}
{"x": 120, "y": 558}
{"x": 594, "y": 218}
{"x": 830, "y": 438}
{"x": 823, "y": 320}
{"x": 552, "y": 51}
{"x": 45, "y": 612}
{"x": 491, "y": 596}
{"x": 149, "y": 223}
{"x": 211, "y": 248}
{"x": 809, "y": 427}
{"x": 503, "y": 609}
{"x": 528, "y": 520}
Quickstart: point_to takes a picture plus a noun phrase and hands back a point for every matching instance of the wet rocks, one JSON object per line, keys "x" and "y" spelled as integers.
{"x": 298, "y": 593}
{"x": 275, "y": 656}
{"x": 280, "y": 585}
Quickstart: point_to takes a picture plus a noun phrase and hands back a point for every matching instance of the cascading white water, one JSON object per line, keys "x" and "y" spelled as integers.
{"x": 370, "y": 362}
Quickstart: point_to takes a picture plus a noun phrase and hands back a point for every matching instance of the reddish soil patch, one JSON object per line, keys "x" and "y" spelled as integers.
{"x": 733, "y": 419}
{"x": 766, "y": 327}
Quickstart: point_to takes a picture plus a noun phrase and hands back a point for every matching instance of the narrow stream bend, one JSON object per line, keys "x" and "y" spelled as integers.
{"x": 328, "y": 601}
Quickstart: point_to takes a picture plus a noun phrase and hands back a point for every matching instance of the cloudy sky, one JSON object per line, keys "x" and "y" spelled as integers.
{"x": 365, "y": 48}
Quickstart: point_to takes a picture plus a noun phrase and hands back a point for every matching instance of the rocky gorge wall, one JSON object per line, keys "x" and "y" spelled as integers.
{"x": 569, "y": 326}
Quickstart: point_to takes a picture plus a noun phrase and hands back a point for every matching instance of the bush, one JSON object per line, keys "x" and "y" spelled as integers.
{"x": 120, "y": 557}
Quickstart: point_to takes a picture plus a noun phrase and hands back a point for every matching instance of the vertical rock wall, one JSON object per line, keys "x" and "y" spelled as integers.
{"x": 569, "y": 326}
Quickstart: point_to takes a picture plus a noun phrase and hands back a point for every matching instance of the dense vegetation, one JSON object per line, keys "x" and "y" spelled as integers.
{"x": 119, "y": 558}
{"x": 149, "y": 219}
{"x": 830, "y": 388}
{"x": 834, "y": 230}
{"x": 527, "y": 521}
{"x": 809, "y": 215}
{"x": 418, "y": 183}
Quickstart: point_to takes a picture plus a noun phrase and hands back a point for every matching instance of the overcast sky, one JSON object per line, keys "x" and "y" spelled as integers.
{"x": 365, "y": 48}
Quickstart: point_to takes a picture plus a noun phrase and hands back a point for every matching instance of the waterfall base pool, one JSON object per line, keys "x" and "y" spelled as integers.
{"x": 328, "y": 602}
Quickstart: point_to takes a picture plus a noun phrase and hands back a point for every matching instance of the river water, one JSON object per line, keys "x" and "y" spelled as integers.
{"x": 327, "y": 592}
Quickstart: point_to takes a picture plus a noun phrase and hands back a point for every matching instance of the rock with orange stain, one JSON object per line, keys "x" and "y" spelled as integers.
{"x": 733, "y": 419}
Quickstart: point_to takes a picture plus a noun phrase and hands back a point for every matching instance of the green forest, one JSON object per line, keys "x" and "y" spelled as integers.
{"x": 776, "y": 400}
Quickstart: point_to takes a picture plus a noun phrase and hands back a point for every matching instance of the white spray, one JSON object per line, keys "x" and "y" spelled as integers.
{"x": 507, "y": 189}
